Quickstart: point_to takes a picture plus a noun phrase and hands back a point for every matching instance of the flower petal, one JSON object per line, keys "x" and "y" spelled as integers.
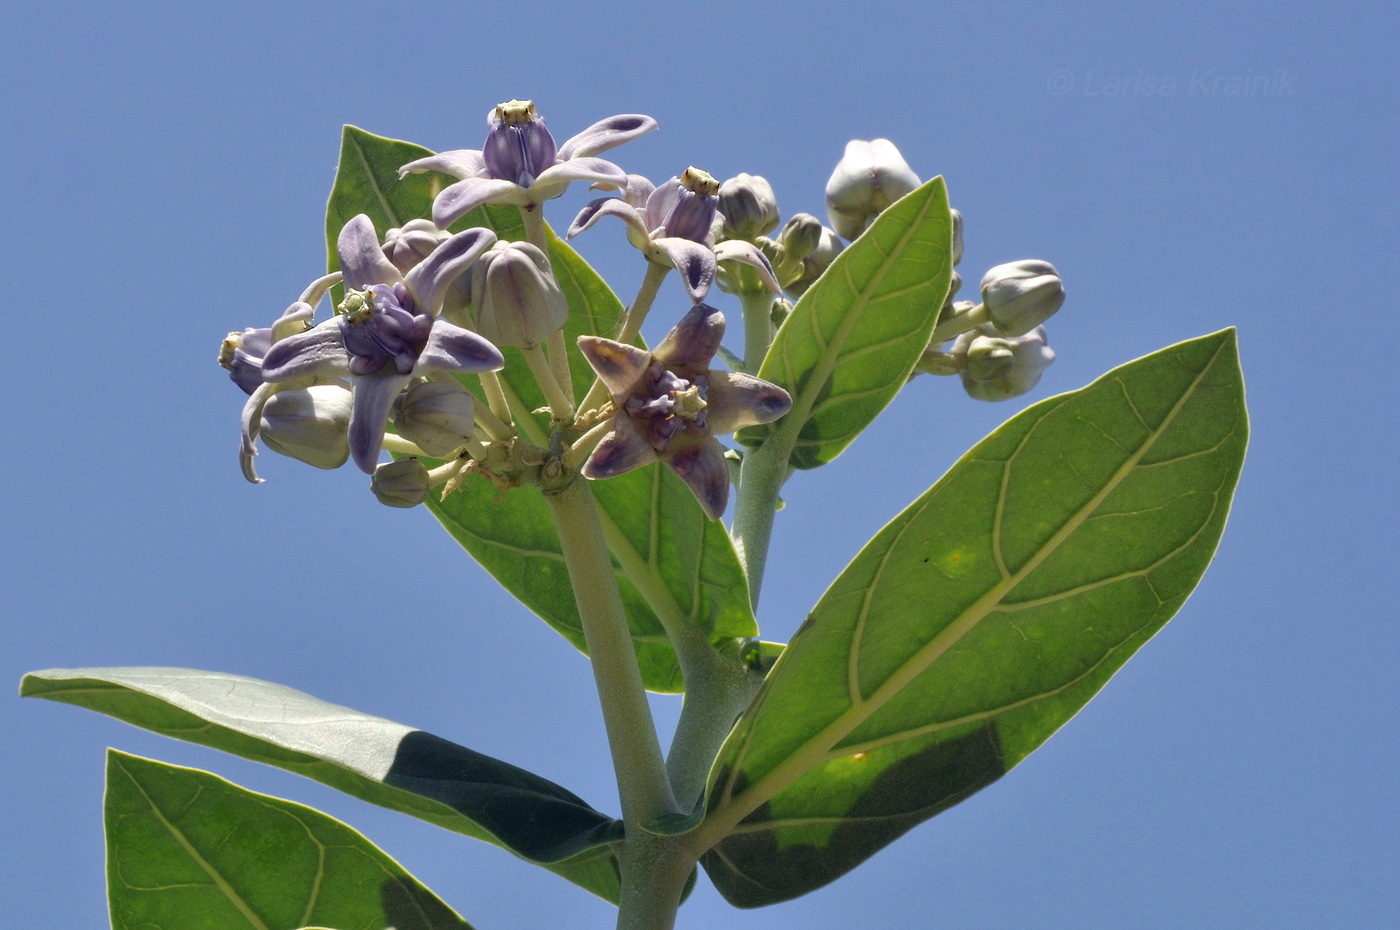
{"x": 699, "y": 461}
{"x": 362, "y": 259}
{"x": 374, "y": 395}
{"x": 692, "y": 342}
{"x": 318, "y": 351}
{"x": 430, "y": 278}
{"x": 606, "y": 206}
{"x": 694, "y": 261}
{"x": 736, "y": 250}
{"x": 451, "y": 348}
{"x": 602, "y": 174}
{"x": 619, "y": 366}
{"x": 460, "y": 163}
{"x": 457, "y": 200}
{"x": 620, "y": 451}
{"x": 737, "y": 400}
{"x": 606, "y": 134}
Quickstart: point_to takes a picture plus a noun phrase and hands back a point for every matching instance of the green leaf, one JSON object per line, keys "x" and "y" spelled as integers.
{"x": 188, "y": 849}
{"x": 980, "y": 619}
{"x": 853, "y": 338}
{"x": 371, "y": 758}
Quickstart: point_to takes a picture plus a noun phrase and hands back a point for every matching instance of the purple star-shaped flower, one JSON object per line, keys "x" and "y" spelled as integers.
{"x": 521, "y": 165}
{"x": 389, "y": 333}
{"x": 671, "y": 404}
{"x": 674, "y": 225}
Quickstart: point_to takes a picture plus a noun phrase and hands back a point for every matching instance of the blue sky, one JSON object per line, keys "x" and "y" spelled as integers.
{"x": 165, "y": 173}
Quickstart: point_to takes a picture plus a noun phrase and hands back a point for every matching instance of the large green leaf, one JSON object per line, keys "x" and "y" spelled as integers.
{"x": 371, "y": 758}
{"x": 980, "y": 619}
{"x": 853, "y": 338}
{"x": 188, "y": 849}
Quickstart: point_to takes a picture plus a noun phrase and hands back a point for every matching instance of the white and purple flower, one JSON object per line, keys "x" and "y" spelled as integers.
{"x": 521, "y": 165}
{"x": 671, "y": 404}
{"x": 674, "y": 225}
{"x": 388, "y": 334}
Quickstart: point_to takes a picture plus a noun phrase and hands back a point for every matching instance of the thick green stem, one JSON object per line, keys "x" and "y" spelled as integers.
{"x": 717, "y": 688}
{"x": 960, "y": 324}
{"x": 642, "y": 785}
{"x": 654, "y": 873}
{"x": 561, "y": 406}
{"x": 533, "y": 218}
{"x": 761, "y": 479}
{"x": 758, "y": 328}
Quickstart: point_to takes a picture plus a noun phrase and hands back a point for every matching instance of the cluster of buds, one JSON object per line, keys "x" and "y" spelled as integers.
{"x": 1000, "y": 349}
{"x": 800, "y": 252}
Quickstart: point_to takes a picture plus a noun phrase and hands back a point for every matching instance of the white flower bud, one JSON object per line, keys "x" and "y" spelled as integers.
{"x": 1019, "y": 296}
{"x": 995, "y": 367}
{"x": 516, "y": 299}
{"x": 436, "y": 416}
{"x": 749, "y": 206}
{"x": 400, "y": 484}
{"x": 309, "y": 425}
{"x": 869, "y": 177}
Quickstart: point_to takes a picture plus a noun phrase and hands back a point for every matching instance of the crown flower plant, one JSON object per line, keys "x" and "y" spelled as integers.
{"x": 628, "y": 495}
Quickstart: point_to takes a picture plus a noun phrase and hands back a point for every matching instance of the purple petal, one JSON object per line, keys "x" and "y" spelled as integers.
{"x": 460, "y": 163}
{"x": 621, "y": 450}
{"x": 361, "y": 258}
{"x": 318, "y": 351}
{"x": 692, "y": 342}
{"x": 430, "y": 278}
{"x": 601, "y": 173}
{"x": 619, "y": 366}
{"x": 738, "y": 400}
{"x": 699, "y": 461}
{"x": 694, "y": 261}
{"x": 735, "y": 250}
{"x": 457, "y": 200}
{"x": 374, "y": 394}
{"x": 606, "y": 206}
{"x": 606, "y": 134}
{"x": 252, "y": 424}
{"x": 451, "y": 348}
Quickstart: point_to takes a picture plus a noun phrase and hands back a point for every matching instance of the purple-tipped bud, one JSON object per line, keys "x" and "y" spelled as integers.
{"x": 749, "y": 206}
{"x": 869, "y": 177}
{"x": 242, "y": 354}
{"x": 995, "y": 367}
{"x": 515, "y": 296}
{"x": 434, "y": 415}
{"x": 407, "y": 245}
{"x": 309, "y": 425}
{"x": 1019, "y": 296}
{"x": 518, "y": 145}
{"x": 684, "y": 207}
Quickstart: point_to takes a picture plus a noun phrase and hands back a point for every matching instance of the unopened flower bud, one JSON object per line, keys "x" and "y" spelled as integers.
{"x": 800, "y": 236}
{"x": 869, "y": 177}
{"x": 400, "y": 484}
{"x": 516, "y": 299}
{"x": 957, "y": 236}
{"x": 749, "y": 206}
{"x": 435, "y": 416}
{"x": 309, "y": 425}
{"x": 817, "y": 262}
{"x": 1019, "y": 296}
{"x": 518, "y": 145}
{"x": 407, "y": 245}
{"x": 995, "y": 367}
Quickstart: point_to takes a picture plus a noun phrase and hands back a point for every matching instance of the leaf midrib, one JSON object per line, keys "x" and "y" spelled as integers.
{"x": 811, "y": 753}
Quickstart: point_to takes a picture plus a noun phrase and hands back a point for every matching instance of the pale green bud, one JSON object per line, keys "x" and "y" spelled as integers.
{"x": 749, "y": 207}
{"x": 435, "y": 416}
{"x": 309, "y": 425}
{"x": 515, "y": 297}
{"x": 1019, "y": 296}
{"x": 400, "y": 484}
{"x": 996, "y": 367}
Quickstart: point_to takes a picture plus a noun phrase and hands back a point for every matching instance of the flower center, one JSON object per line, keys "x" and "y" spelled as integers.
{"x": 515, "y": 112}
{"x": 700, "y": 182}
{"x": 668, "y": 405}
{"x": 381, "y": 328}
